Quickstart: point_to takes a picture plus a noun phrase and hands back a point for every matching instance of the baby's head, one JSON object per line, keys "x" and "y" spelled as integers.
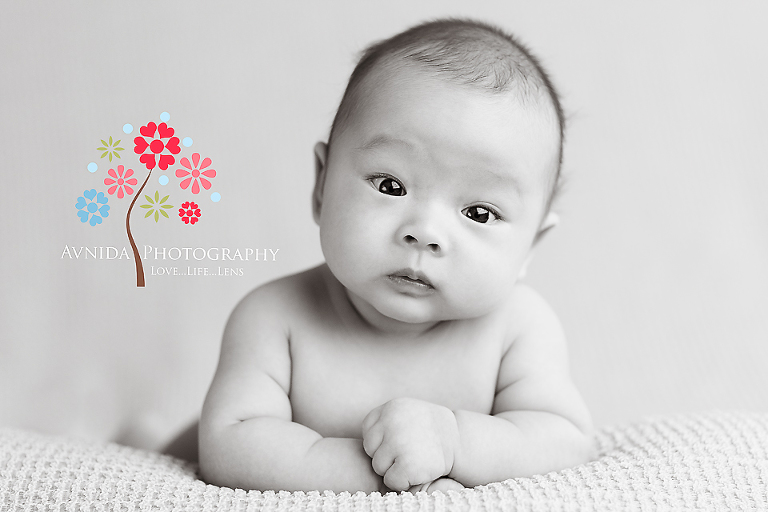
{"x": 439, "y": 173}
{"x": 469, "y": 53}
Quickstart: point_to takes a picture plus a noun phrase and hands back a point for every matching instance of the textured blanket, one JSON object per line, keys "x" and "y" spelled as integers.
{"x": 714, "y": 461}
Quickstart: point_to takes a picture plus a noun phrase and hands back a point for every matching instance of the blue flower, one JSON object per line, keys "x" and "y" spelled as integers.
{"x": 88, "y": 206}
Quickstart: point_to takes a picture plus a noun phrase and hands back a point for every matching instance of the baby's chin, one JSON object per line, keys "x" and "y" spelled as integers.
{"x": 399, "y": 315}
{"x": 393, "y": 308}
{"x": 417, "y": 311}
{"x": 409, "y": 316}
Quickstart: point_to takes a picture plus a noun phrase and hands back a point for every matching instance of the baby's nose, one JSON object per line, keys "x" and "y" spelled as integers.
{"x": 425, "y": 228}
{"x": 411, "y": 240}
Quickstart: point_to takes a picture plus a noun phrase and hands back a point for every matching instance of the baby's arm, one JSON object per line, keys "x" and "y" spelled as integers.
{"x": 539, "y": 421}
{"x": 247, "y": 438}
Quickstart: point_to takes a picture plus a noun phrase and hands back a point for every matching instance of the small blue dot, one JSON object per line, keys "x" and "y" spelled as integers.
{"x": 165, "y": 117}
{"x": 163, "y": 179}
{"x": 92, "y": 167}
{"x": 187, "y": 142}
{"x": 215, "y": 197}
{"x": 128, "y": 128}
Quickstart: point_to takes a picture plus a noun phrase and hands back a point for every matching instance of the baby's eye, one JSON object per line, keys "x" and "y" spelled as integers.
{"x": 480, "y": 214}
{"x": 388, "y": 185}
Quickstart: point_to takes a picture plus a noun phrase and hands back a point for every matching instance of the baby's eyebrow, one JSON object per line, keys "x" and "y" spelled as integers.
{"x": 384, "y": 140}
{"x": 496, "y": 175}
{"x": 492, "y": 174}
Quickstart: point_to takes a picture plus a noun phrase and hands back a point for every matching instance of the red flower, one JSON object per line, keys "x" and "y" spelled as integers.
{"x": 189, "y": 212}
{"x": 197, "y": 173}
{"x": 121, "y": 181}
{"x": 156, "y": 145}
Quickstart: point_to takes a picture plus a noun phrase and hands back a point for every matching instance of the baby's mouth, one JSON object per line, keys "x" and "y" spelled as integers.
{"x": 411, "y": 277}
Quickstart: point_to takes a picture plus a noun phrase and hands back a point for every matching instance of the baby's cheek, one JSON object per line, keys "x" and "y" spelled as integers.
{"x": 351, "y": 251}
{"x": 494, "y": 273}
{"x": 489, "y": 283}
{"x": 353, "y": 240}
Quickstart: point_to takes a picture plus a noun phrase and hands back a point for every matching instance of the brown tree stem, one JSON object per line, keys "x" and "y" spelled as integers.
{"x": 136, "y": 256}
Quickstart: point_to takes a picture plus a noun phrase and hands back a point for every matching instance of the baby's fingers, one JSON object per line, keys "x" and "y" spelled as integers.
{"x": 372, "y": 439}
{"x": 396, "y": 478}
{"x": 381, "y": 462}
{"x": 371, "y": 419}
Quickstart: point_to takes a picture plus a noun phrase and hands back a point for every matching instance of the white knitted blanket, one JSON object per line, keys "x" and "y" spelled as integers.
{"x": 714, "y": 461}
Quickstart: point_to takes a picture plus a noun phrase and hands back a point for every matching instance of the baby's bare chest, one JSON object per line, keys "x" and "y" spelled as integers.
{"x": 337, "y": 380}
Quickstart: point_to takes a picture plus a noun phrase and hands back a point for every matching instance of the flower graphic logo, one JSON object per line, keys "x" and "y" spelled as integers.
{"x": 110, "y": 148}
{"x": 157, "y": 206}
{"x": 196, "y": 174}
{"x": 156, "y": 146}
{"x": 92, "y": 205}
{"x": 121, "y": 181}
{"x": 189, "y": 213}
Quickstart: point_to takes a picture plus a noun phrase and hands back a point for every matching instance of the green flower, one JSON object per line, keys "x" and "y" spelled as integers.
{"x": 157, "y": 206}
{"x": 110, "y": 148}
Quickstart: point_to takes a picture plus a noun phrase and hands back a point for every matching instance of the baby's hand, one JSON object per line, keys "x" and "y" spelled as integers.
{"x": 410, "y": 441}
{"x": 443, "y": 484}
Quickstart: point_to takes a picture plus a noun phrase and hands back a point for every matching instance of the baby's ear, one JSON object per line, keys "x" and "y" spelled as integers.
{"x": 321, "y": 160}
{"x": 551, "y": 220}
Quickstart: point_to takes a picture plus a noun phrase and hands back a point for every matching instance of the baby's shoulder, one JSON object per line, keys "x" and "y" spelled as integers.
{"x": 285, "y": 297}
{"x": 525, "y": 299}
{"x": 526, "y": 311}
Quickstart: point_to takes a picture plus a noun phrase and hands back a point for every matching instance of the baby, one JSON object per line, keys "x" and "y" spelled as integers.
{"x": 412, "y": 359}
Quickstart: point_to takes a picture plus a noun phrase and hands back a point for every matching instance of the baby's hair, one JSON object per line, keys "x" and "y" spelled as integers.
{"x": 462, "y": 51}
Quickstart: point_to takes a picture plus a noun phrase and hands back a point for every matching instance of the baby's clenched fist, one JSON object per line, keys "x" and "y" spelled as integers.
{"x": 411, "y": 441}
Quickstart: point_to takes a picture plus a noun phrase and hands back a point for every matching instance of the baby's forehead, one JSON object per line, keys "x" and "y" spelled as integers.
{"x": 520, "y": 88}
{"x": 393, "y": 81}
{"x": 412, "y": 112}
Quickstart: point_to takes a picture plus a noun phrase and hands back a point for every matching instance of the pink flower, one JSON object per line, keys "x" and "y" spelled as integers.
{"x": 121, "y": 181}
{"x": 196, "y": 174}
{"x": 156, "y": 145}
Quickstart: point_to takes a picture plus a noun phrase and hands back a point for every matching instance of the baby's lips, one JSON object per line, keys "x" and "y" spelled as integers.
{"x": 413, "y": 275}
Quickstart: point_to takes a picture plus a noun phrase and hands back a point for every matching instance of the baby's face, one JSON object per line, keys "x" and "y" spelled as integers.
{"x": 433, "y": 195}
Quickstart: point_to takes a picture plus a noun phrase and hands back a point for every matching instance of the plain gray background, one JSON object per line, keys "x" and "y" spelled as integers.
{"x": 658, "y": 270}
